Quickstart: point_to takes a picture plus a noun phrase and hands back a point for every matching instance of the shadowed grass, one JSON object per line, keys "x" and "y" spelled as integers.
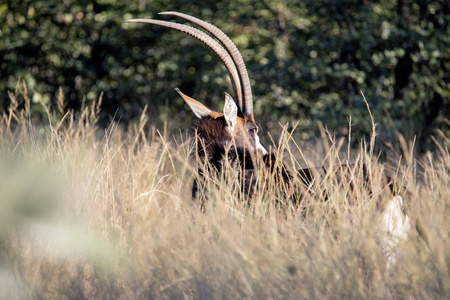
{"x": 98, "y": 214}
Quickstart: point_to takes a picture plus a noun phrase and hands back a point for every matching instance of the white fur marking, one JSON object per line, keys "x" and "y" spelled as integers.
{"x": 259, "y": 146}
{"x": 394, "y": 225}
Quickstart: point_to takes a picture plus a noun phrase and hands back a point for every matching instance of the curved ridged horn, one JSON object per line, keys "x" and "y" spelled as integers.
{"x": 211, "y": 43}
{"x": 234, "y": 52}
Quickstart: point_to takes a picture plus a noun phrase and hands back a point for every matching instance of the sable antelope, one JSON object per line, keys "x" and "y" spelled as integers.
{"x": 233, "y": 134}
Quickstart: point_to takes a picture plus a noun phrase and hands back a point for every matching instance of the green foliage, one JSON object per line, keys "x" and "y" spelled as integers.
{"x": 307, "y": 61}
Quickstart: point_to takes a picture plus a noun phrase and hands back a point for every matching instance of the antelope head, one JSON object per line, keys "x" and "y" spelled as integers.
{"x": 232, "y": 133}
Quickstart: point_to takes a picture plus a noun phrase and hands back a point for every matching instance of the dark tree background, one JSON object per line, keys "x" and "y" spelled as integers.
{"x": 308, "y": 61}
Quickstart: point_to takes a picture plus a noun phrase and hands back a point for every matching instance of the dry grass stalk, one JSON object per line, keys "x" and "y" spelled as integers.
{"x": 91, "y": 214}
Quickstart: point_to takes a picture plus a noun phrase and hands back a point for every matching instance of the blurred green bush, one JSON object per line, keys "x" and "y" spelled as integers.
{"x": 307, "y": 61}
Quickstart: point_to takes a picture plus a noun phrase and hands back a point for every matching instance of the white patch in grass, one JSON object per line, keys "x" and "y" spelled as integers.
{"x": 394, "y": 227}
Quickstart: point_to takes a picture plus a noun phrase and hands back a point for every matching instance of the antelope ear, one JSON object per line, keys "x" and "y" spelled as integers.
{"x": 230, "y": 112}
{"x": 199, "y": 109}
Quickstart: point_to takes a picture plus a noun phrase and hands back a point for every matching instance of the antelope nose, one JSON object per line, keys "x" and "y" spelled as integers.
{"x": 259, "y": 147}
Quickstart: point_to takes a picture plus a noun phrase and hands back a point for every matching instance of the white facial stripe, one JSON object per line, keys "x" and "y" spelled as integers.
{"x": 260, "y": 147}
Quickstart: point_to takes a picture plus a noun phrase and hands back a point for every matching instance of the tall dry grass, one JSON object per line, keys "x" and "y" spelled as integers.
{"x": 108, "y": 214}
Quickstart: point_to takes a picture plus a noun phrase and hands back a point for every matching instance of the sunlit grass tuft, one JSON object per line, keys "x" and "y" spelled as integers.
{"x": 90, "y": 213}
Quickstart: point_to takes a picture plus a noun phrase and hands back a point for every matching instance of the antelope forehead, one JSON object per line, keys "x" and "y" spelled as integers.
{"x": 241, "y": 125}
{"x": 248, "y": 124}
{"x": 240, "y": 121}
